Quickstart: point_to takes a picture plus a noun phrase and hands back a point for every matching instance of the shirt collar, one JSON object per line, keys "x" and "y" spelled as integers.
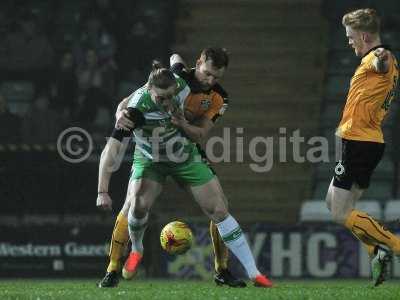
{"x": 376, "y": 47}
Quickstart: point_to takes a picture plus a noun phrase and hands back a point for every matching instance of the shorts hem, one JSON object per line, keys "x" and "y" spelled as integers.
{"x": 202, "y": 182}
{"x": 148, "y": 176}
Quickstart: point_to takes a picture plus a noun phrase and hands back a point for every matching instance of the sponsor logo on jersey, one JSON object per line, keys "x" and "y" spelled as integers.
{"x": 205, "y": 104}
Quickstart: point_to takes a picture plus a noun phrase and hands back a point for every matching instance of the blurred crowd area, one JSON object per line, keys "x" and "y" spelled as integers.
{"x": 67, "y": 63}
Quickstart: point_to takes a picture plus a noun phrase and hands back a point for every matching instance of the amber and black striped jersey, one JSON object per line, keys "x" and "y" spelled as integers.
{"x": 368, "y": 100}
{"x": 212, "y": 104}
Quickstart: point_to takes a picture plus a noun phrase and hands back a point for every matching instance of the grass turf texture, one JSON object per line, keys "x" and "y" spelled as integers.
{"x": 163, "y": 289}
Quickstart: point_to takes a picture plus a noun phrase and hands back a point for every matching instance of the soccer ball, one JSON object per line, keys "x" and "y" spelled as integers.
{"x": 176, "y": 237}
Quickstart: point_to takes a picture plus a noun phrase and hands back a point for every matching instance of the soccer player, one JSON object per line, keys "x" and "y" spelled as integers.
{"x": 158, "y": 108}
{"x": 371, "y": 92}
{"x": 206, "y": 103}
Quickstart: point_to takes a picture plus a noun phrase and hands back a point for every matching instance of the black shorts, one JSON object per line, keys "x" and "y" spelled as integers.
{"x": 359, "y": 159}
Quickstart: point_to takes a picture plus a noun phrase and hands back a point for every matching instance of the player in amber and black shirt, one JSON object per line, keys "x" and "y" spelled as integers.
{"x": 372, "y": 89}
{"x": 206, "y": 103}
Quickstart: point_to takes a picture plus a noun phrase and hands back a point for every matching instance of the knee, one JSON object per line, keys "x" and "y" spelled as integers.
{"x": 218, "y": 213}
{"x": 328, "y": 202}
{"x": 340, "y": 210}
{"x": 140, "y": 207}
{"x": 339, "y": 216}
{"x": 125, "y": 209}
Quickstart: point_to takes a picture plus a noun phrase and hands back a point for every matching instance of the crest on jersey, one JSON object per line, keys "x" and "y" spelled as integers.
{"x": 205, "y": 104}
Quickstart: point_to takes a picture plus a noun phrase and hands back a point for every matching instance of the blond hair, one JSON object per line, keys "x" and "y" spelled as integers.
{"x": 365, "y": 19}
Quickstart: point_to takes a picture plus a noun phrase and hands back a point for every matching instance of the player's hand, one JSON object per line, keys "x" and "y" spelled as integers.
{"x": 178, "y": 119}
{"x": 382, "y": 54}
{"x": 123, "y": 121}
{"x": 176, "y": 58}
{"x": 104, "y": 201}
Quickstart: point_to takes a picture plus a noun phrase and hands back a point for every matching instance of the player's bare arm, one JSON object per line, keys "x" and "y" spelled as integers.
{"x": 107, "y": 161}
{"x": 197, "y": 131}
{"x": 121, "y": 106}
{"x": 381, "y": 60}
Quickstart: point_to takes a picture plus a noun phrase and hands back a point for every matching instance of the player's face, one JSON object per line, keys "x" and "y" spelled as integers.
{"x": 356, "y": 41}
{"x": 206, "y": 74}
{"x": 163, "y": 97}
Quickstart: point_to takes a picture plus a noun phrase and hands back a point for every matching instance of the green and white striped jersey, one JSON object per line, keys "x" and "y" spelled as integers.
{"x": 158, "y": 139}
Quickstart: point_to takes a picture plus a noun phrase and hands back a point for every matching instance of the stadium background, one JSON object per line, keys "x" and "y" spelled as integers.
{"x": 68, "y": 63}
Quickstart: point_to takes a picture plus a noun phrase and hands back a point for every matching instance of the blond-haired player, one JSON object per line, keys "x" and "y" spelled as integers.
{"x": 371, "y": 92}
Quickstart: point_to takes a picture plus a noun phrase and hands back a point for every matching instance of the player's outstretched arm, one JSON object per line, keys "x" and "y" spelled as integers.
{"x": 381, "y": 60}
{"x": 108, "y": 160}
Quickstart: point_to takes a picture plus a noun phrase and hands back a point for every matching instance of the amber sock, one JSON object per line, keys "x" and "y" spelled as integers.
{"x": 120, "y": 237}
{"x": 370, "y": 232}
{"x": 221, "y": 252}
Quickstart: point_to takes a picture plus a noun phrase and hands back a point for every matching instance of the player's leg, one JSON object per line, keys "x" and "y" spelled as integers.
{"x": 221, "y": 252}
{"x": 221, "y": 255}
{"x": 374, "y": 236}
{"x": 118, "y": 243}
{"x": 119, "y": 240}
{"x": 211, "y": 199}
{"x": 380, "y": 254}
{"x": 206, "y": 190}
{"x": 145, "y": 192}
{"x": 357, "y": 193}
{"x": 352, "y": 176}
{"x": 350, "y": 204}
{"x": 120, "y": 237}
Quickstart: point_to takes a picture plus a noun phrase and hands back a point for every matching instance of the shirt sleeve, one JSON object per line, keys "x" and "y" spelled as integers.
{"x": 135, "y": 109}
{"x": 134, "y": 99}
{"x": 183, "y": 91}
{"x": 368, "y": 62}
{"x": 178, "y": 69}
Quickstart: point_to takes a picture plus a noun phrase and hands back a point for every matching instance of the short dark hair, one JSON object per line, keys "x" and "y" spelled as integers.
{"x": 219, "y": 56}
{"x": 161, "y": 77}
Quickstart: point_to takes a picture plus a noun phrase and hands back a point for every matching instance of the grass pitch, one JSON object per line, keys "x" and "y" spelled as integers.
{"x": 156, "y": 289}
